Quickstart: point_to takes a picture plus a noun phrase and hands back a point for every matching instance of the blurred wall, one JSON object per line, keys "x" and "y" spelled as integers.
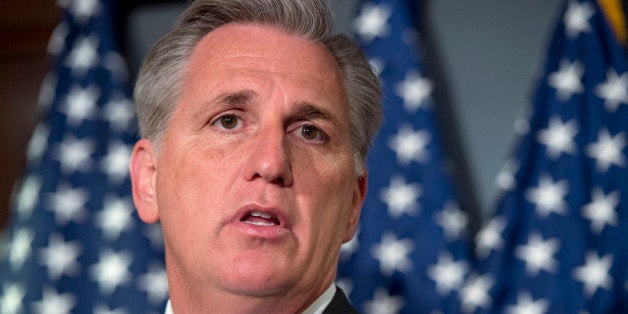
{"x": 25, "y": 27}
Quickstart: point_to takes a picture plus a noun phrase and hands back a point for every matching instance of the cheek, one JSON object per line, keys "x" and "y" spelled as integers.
{"x": 196, "y": 165}
{"x": 184, "y": 185}
{"x": 327, "y": 215}
{"x": 187, "y": 197}
{"x": 328, "y": 188}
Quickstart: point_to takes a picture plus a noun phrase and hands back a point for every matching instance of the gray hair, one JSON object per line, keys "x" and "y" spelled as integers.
{"x": 160, "y": 79}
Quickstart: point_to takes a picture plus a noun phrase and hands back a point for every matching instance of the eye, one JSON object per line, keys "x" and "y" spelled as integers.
{"x": 311, "y": 133}
{"x": 228, "y": 122}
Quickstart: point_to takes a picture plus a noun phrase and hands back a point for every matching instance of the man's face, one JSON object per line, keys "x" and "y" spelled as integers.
{"x": 254, "y": 184}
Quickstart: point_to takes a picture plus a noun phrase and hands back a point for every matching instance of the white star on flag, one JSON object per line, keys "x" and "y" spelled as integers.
{"x": 607, "y": 150}
{"x": 20, "y": 248}
{"x": 116, "y": 163}
{"x": 549, "y": 196}
{"x": 447, "y": 274}
{"x": 47, "y": 93}
{"x": 11, "y": 300}
{"x": 28, "y": 196}
{"x": 410, "y": 145}
{"x": 475, "y": 293}
{"x": 601, "y": 210}
{"x": 68, "y": 204}
{"x": 112, "y": 270}
{"x": 383, "y": 302}
{"x": 74, "y": 154}
{"x": 373, "y": 21}
{"x": 568, "y": 79}
{"x": 38, "y": 143}
{"x": 60, "y": 257}
{"x": 415, "y": 91}
{"x": 392, "y": 254}
{"x": 80, "y": 104}
{"x": 56, "y": 43}
{"x": 84, "y": 55}
{"x": 538, "y": 254}
{"x": 453, "y": 221}
{"x": 54, "y": 302}
{"x": 559, "y": 137}
{"x": 489, "y": 238}
{"x": 505, "y": 179}
{"x": 577, "y": 18}
{"x": 115, "y": 217}
{"x": 614, "y": 91}
{"x": 401, "y": 197}
{"x": 83, "y": 10}
{"x": 594, "y": 274}
{"x": 155, "y": 283}
{"x": 526, "y": 305}
{"x": 119, "y": 113}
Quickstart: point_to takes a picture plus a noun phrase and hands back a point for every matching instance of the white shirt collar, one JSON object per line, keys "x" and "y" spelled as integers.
{"x": 322, "y": 302}
{"x": 315, "y": 308}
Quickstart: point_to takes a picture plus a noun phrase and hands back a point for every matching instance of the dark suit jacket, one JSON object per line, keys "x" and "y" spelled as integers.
{"x": 339, "y": 304}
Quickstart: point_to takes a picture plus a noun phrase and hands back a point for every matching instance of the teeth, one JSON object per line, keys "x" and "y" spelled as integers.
{"x": 262, "y": 215}
{"x": 259, "y": 218}
{"x": 260, "y": 223}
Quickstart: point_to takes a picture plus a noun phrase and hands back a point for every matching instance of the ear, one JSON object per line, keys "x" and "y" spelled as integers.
{"x": 143, "y": 168}
{"x": 359, "y": 195}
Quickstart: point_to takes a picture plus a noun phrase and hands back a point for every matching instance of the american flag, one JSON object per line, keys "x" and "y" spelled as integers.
{"x": 75, "y": 244}
{"x": 410, "y": 254}
{"x": 558, "y": 241}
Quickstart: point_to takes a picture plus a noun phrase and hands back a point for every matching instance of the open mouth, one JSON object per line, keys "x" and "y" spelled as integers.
{"x": 260, "y": 219}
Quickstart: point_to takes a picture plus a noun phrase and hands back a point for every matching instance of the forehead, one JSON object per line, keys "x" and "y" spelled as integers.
{"x": 264, "y": 48}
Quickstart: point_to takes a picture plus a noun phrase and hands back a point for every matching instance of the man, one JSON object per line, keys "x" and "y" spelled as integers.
{"x": 256, "y": 122}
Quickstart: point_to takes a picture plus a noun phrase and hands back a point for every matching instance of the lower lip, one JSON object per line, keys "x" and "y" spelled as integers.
{"x": 261, "y": 231}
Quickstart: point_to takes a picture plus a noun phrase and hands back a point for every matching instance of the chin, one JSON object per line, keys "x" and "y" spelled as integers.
{"x": 257, "y": 286}
{"x": 259, "y": 277}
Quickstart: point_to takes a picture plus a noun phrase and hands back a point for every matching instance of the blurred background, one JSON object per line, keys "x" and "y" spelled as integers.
{"x": 483, "y": 58}
{"x": 481, "y": 54}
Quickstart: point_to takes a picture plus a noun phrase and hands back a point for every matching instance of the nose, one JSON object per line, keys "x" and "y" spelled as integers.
{"x": 269, "y": 159}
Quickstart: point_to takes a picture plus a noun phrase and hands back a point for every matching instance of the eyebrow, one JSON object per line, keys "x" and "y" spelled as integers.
{"x": 226, "y": 99}
{"x": 310, "y": 111}
{"x": 235, "y": 98}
